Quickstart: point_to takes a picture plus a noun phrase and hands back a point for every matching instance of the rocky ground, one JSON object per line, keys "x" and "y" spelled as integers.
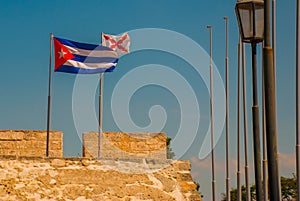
{"x": 83, "y": 179}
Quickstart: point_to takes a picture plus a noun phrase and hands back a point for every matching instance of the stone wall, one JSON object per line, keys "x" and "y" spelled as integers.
{"x": 125, "y": 145}
{"x": 30, "y": 143}
{"x": 132, "y": 167}
{"x": 81, "y": 179}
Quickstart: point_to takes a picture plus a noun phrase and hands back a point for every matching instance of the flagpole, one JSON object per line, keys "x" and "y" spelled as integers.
{"x": 227, "y": 116}
{"x": 274, "y": 36}
{"x": 265, "y": 161}
{"x": 100, "y": 107}
{"x": 100, "y": 110}
{"x": 274, "y": 23}
{"x": 298, "y": 98}
{"x": 239, "y": 189}
{"x": 248, "y": 195}
{"x": 49, "y": 97}
{"x": 211, "y": 120}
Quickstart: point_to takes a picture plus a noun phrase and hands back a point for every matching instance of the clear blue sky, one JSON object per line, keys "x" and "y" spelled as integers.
{"x": 25, "y": 29}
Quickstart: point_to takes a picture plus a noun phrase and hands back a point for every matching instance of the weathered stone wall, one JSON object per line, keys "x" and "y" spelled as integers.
{"x": 80, "y": 179}
{"x": 30, "y": 143}
{"x": 125, "y": 145}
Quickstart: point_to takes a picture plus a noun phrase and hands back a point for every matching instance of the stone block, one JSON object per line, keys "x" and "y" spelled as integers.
{"x": 32, "y": 152}
{"x": 12, "y": 152}
{"x": 185, "y": 177}
{"x": 58, "y": 163}
{"x": 8, "y": 145}
{"x": 55, "y": 145}
{"x": 11, "y": 135}
{"x": 182, "y": 165}
{"x": 55, "y": 153}
{"x": 3, "y": 152}
{"x": 34, "y": 135}
{"x": 56, "y": 135}
{"x": 90, "y": 136}
{"x": 24, "y": 144}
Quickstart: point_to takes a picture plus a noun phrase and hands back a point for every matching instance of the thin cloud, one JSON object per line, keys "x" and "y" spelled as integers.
{"x": 287, "y": 162}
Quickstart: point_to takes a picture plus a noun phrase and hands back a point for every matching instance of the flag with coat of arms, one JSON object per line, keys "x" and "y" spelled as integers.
{"x": 119, "y": 43}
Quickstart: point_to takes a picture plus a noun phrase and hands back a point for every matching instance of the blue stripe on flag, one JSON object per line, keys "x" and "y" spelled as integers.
{"x": 75, "y": 70}
{"x": 94, "y": 59}
{"x": 81, "y": 45}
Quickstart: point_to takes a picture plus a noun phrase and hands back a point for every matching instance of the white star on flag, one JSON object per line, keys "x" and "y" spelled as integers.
{"x": 61, "y": 54}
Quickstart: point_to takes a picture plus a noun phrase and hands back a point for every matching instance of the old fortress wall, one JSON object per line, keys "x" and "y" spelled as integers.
{"x": 125, "y": 145}
{"x": 30, "y": 143}
{"x": 131, "y": 167}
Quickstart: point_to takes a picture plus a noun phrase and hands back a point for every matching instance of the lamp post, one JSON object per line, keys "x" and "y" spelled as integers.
{"x": 250, "y": 16}
{"x": 248, "y": 194}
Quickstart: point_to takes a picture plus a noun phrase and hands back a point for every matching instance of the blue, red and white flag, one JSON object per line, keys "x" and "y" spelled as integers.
{"x": 82, "y": 58}
{"x": 118, "y": 43}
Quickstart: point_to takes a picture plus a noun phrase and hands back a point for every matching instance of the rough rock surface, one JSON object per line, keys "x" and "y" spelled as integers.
{"x": 83, "y": 179}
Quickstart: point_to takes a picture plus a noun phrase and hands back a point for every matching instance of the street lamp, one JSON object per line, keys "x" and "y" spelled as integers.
{"x": 250, "y": 16}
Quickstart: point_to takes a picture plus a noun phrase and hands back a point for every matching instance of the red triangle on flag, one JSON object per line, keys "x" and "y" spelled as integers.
{"x": 61, "y": 54}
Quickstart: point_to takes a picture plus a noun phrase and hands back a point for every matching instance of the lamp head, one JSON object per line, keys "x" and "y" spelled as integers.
{"x": 250, "y": 17}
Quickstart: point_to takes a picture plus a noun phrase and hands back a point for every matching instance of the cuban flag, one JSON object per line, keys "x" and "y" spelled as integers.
{"x": 118, "y": 43}
{"x": 82, "y": 58}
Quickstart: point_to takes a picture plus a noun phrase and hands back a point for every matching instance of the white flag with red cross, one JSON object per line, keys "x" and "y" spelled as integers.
{"x": 119, "y": 43}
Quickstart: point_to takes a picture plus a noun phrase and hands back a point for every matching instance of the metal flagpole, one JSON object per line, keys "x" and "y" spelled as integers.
{"x": 270, "y": 108}
{"x": 211, "y": 120}
{"x": 100, "y": 107}
{"x": 274, "y": 61}
{"x": 298, "y": 98}
{"x": 265, "y": 161}
{"x": 239, "y": 189}
{"x": 100, "y": 110}
{"x": 248, "y": 195}
{"x": 227, "y": 116}
{"x": 274, "y": 36}
{"x": 49, "y": 97}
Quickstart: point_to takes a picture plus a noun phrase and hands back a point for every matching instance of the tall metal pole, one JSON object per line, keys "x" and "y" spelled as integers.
{"x": 212, "y": 119}
{"x": 238, "y": 174}
{"x": 265, "y": 161}
{"x": 298, "y": 98}
{"x": 248, "y": 194}
{"x": 274, "y": 37}
{"x": 274, "y": 61}
{"x": 255, "y": 124}
{"x": 270, "y": 103}
{"x": 49, "y": 97}
{"x": 227, "y": 116}
{"x": 100, "y": 111}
